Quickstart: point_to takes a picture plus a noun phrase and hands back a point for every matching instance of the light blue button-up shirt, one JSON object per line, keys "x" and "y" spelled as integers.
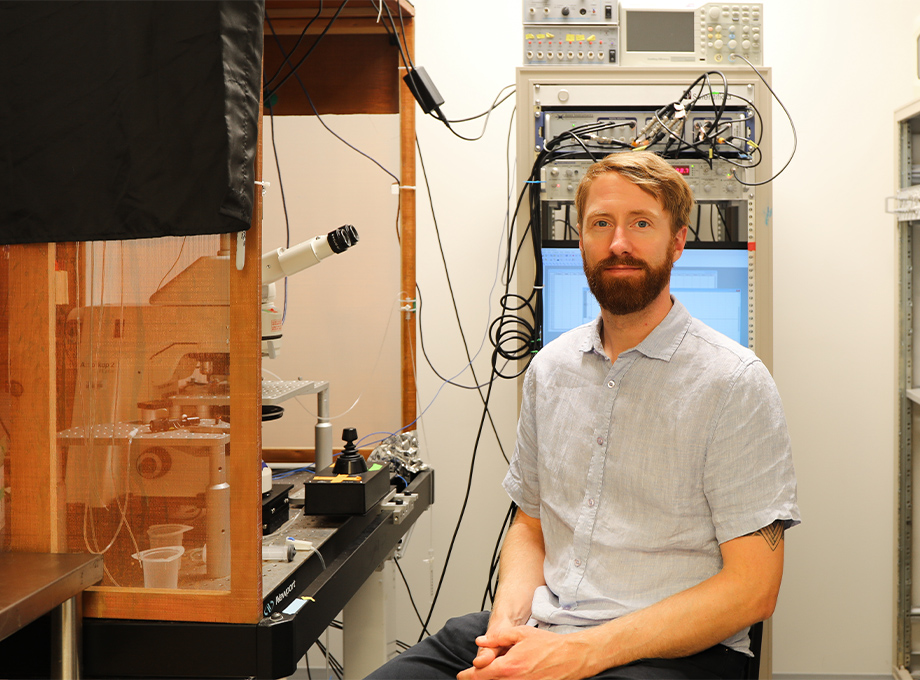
{"x": 639, "y": 469}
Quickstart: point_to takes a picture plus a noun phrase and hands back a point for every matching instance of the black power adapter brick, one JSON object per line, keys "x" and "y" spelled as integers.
{"x": 423, "y": 89}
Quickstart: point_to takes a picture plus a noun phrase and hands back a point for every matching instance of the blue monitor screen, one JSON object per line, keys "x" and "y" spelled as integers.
{"x": 712, "y": 283}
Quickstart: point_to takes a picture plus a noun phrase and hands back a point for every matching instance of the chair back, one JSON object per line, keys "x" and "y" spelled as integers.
{"x": 752, "y": 671}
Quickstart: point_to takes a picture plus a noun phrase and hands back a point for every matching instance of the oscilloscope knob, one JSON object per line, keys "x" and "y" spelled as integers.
{"x": 715, "y": 12}
{"x": 717, "y": 44}
{"x": 745, "y": 44}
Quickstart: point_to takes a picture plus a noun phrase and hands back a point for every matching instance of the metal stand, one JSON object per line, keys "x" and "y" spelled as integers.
{"x": 277, "y": 391}
{"x": 364, "y": 629}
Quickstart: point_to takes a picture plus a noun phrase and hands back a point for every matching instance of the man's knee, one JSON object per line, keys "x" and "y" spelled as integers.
{"x": 441, "y": 655}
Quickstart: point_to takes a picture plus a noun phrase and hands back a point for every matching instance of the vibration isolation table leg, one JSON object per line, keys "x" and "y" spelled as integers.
{"x": 365, "y": 625}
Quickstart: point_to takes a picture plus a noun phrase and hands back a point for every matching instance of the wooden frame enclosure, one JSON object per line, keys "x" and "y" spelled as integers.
{"x": 352, "y": 72}
{"x": 358, "y": 70}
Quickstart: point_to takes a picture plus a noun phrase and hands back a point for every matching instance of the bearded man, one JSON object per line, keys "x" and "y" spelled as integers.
{"x": 652, "y": 475}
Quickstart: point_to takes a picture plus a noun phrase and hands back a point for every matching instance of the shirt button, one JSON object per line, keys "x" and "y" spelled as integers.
{"x": 600, "y": 440}
{"x": 577, "y": 562}
{"x": 611, "y": 384}
{"x": 591, "y": 502}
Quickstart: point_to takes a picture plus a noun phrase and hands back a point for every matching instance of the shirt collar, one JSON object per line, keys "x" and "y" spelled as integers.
{"x": 661, "y": 343}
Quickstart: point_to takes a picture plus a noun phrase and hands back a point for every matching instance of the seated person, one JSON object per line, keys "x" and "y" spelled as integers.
{"x": 652, "y": 475}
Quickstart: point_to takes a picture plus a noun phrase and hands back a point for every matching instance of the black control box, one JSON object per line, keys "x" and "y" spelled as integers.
{"x": 276, "y": 508}
{"x": 328, "y": 493}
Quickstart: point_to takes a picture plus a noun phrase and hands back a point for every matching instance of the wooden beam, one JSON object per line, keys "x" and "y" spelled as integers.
{"x": 407, "y": 194}
{"x": 245, "y": 464}
{"x": 36, "y": 503}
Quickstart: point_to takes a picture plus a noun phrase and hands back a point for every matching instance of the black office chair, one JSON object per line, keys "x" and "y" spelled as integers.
{"x": 752, "y": 671}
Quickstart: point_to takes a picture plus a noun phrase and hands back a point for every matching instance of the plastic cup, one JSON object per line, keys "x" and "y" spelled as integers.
{"x": 161, "y": 566}
{"x": 163, "y": 535}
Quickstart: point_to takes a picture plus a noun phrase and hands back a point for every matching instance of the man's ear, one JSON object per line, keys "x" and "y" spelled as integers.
{"x": 680, "y": 240}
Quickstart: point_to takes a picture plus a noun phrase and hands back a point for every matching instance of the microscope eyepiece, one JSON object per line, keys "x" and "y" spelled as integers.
{"x": 342, "y": 239}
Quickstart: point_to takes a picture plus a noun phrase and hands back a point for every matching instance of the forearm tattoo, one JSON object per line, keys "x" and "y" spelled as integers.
{"x": 772, "y": 534}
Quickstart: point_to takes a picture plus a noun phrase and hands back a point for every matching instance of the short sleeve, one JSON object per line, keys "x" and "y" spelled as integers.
{"x": 522, "y": 480}
{"x": 749, "y": 478}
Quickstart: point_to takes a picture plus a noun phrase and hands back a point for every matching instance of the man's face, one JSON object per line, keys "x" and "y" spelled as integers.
{"x": 627, "y": 245}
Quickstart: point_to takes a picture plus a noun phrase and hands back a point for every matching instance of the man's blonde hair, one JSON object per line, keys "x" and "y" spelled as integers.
{"x": 649, "y": 172}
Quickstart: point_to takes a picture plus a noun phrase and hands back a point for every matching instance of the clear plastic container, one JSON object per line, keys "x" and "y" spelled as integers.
{"x": 162, "y": 535}
{"x": 161, "y": 566}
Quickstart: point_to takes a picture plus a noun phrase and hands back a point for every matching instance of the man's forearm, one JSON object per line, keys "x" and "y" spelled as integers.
{"x": 743, "y": 593}
{"x": 520, "y": 571}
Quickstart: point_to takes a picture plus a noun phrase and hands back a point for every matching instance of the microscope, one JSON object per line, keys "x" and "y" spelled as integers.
{"x": 151, "y": 391}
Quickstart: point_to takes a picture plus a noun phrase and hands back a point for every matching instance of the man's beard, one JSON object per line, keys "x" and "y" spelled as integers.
{"x": 625, "y": 295}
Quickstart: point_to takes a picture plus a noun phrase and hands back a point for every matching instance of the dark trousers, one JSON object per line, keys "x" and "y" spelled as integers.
{"x": 452, "y": 649}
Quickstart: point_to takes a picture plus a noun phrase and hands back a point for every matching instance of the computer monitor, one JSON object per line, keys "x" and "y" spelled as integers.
{"x": 710, "y": 280}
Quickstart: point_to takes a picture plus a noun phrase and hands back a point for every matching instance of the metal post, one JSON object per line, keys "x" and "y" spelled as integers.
{"x": 66, "y": 639}
{"x": 323, "y": 446}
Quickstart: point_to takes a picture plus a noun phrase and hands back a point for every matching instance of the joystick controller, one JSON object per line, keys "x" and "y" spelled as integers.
{"x": 350, "y": 462}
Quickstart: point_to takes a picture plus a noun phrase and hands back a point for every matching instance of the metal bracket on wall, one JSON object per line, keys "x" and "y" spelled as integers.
{"x": 240, "y": 250}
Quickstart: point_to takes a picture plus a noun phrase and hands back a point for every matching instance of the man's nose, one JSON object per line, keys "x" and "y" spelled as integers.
{"x": 619, "y": 241}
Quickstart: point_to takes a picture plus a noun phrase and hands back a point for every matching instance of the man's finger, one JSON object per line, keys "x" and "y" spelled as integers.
{"x": 502, "y": 638}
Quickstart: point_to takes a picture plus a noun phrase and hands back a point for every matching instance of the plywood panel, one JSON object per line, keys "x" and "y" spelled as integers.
{"x": 343, "y": 75}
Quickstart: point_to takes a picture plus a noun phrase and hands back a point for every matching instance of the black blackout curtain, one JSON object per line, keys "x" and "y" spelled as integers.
{"x": 123, "y": 120}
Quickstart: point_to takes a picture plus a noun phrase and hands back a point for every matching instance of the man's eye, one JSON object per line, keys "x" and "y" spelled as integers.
{"x": 643, "y": 224}
{"x": 602, "y": 223}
